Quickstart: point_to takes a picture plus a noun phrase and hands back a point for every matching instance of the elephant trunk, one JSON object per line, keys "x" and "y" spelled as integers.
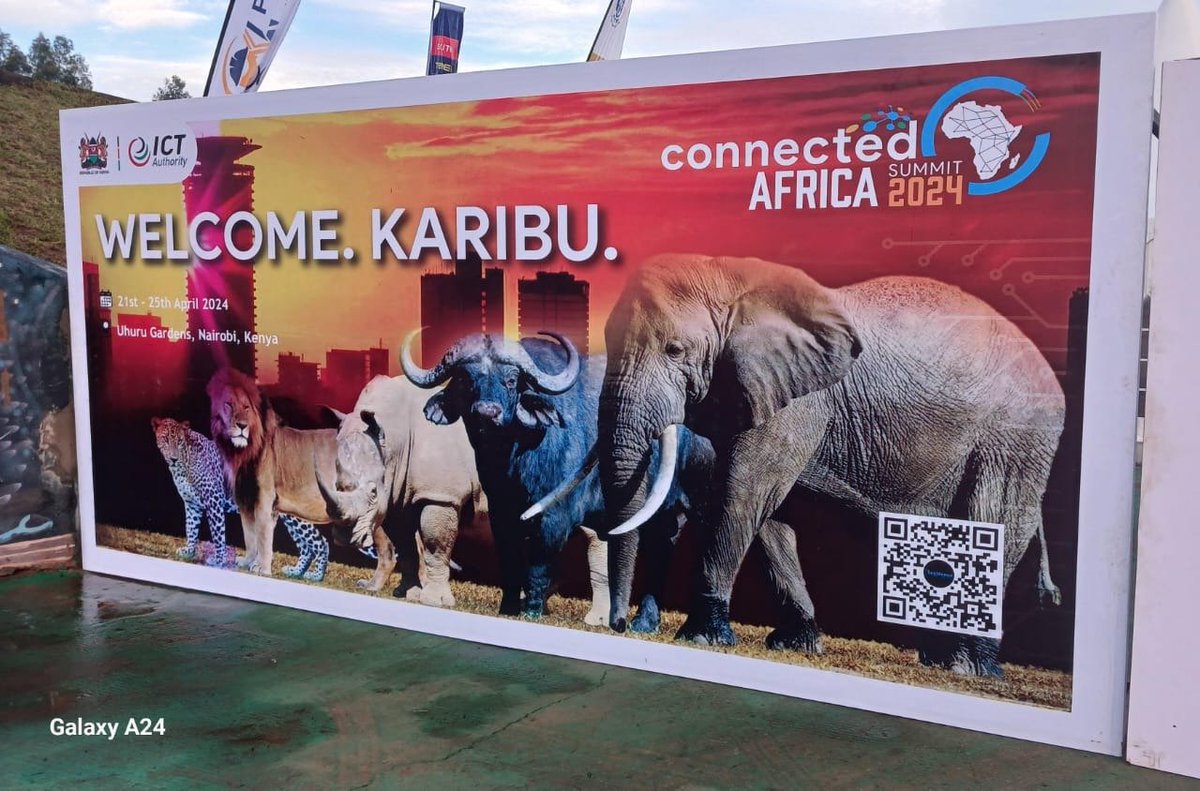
{"x": 668, "y": 454}
{"x": 632, "y": 419}
{"x": 622, "y": 558}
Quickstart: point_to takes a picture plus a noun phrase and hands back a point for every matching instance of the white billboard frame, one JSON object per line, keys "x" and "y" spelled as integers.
{"x": 1164, "y": 720}
{"x": 1096, "y": 721}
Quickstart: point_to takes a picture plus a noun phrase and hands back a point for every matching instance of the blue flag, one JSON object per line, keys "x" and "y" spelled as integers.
{"x": 445, "y": 36}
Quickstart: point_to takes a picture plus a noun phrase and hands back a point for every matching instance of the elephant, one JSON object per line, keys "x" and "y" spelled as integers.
{"x": 900, "y": 394}
{"x": 401, "y": 477}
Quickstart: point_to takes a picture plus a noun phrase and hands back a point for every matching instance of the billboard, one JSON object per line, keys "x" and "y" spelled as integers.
{"x": 774, "y": 368}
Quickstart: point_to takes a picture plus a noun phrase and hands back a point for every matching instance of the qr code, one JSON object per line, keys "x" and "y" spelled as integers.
{"x": 944, "y": 574}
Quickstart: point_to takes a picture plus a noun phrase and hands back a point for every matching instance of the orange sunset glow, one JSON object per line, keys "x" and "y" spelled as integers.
{"x": 605, "y": 149}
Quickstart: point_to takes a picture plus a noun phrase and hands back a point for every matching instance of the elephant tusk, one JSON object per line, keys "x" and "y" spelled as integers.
{"x": 563, "y": 489}
{"x": 662, "y": 483}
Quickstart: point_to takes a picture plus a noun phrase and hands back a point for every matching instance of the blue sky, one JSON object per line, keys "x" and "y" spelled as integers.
{"x": 132, "y": 45}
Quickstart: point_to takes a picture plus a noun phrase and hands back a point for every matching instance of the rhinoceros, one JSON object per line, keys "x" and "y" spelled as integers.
{"x": 397, "y": 470}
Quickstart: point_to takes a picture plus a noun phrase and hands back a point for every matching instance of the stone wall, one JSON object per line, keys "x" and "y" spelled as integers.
{"x": 38, "y": 517}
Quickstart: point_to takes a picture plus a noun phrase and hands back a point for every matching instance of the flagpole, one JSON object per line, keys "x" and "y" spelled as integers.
{"x": 429, "y": 46}
{"x": 212, "y": 69}
{"x": 600, "y": 29}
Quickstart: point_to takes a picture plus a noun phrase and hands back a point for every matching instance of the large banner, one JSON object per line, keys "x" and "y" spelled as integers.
{"x": 781, "y": 377}
{"x": 252, "y": 34}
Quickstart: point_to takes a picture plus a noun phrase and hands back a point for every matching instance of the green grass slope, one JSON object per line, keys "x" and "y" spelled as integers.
{"x": 31, "y": 212}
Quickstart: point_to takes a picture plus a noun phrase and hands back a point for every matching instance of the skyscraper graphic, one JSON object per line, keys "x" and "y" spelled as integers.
{"x": 347, "y": 371}
{"x": 221, "y": 184}
{"x": 554, "y": 301}
{"x": 149, "y": 368}
{"x": 298, "y": 377}
{"x": 453, "y": 305}
{"x": 98, "y": 318}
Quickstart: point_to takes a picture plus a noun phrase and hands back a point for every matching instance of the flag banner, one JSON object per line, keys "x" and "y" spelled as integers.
{"x": 252, "y": 34}
{"x": 445, "y": 38}
{"x": 610, "y": 39}
{"x": 782, "y": 353}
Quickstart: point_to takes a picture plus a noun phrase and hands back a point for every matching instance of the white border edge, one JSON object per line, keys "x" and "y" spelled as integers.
{"x": 1097, "y": 719}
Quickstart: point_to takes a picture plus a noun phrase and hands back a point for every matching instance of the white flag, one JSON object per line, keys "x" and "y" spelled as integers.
{"x": 252, "y": 34}
{"x": 610, "y": 39}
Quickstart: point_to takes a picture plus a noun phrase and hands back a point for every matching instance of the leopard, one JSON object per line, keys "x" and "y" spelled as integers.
{"x": 198, "y": 472}
{"x": 199, "y": 475}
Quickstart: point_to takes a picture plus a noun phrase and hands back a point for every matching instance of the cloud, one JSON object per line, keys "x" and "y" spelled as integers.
{"x": 138, "y": 78}
{"x": 69, "y": 16}
{"x": 304, "y": 65}
{"x": 336, "y": 41}
{"x": 139, "y": 14}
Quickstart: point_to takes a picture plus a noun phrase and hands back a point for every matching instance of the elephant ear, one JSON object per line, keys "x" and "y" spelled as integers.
{"x": 787, "y": 338}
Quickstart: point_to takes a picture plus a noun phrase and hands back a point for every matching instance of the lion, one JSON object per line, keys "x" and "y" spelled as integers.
{"x": 271, "y": 469}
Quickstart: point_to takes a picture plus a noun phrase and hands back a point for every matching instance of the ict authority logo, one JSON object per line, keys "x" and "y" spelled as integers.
{"x": 139, "y": 152}
{"x": 170, "y": 151}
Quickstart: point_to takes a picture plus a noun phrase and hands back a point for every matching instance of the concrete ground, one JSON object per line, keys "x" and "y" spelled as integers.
{"x": 257, "y": 696}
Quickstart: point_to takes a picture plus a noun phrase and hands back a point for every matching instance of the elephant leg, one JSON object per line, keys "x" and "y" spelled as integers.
{"x": 512, "y": 565}
{"x": 597, "y": 558}
{"x": 1048, "y": 592}
{"x": 965, "y": 654}
{"x": 1010, "y": 483}
{"x": 659, "y": 540}
{"x": 622, "y": 559}
{"x": 762, "y": 467}
{"x": 385, "y": 562}
{"x": 439, "y": 530}
{"x": 797, "y": 628}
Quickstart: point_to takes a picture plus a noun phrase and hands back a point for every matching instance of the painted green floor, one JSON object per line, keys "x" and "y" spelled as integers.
{"x": 255, "y": 696}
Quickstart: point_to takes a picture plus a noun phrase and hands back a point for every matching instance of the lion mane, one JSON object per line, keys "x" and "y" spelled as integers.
{"x": 234, "y": 398}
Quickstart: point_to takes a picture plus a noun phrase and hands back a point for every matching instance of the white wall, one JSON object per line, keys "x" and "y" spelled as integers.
{"x": 1164, "y": 707}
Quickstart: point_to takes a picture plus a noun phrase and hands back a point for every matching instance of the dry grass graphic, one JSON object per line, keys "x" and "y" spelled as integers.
{"x": 1049, "y": 688}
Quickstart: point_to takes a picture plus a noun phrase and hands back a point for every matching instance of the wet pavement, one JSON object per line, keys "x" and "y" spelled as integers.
{"x": 209, "y": 692}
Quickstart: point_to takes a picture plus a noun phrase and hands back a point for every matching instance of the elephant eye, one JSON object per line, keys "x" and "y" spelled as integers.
{"x": 674, "y": 348}
{"x": 511, "y": 383}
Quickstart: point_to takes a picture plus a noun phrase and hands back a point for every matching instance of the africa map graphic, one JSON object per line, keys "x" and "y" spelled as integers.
{"x": 988, "y": 132}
